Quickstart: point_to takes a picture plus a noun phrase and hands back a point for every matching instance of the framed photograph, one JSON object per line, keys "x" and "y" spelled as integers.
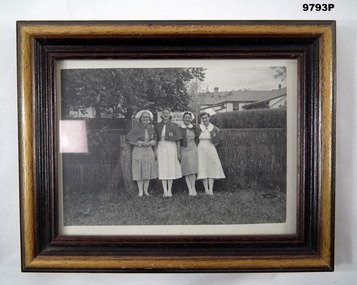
{"x": 177, "y": 146}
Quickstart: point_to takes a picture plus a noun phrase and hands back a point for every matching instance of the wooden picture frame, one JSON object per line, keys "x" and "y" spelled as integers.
{"x": 42, "y": 44}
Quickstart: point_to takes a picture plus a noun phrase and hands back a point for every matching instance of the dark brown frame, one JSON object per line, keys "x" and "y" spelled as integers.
{"x": 40, "y": 44}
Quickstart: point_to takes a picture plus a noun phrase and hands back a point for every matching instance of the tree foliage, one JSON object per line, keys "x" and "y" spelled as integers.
{"x": 280, "y": 72}
{"x": 126, "y": 91}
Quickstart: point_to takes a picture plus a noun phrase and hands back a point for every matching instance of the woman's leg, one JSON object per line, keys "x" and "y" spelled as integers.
{"x": 140, "y": 186}
{"x": 169, "y": 192}
{"x": 210, "y": 185}
{"x": 188, "y": 182}
{"x": 146, "y": 187}
{"x": 205, "y": 184}
{"x": 164, "y": 185}
{"x": 193, "y": 184}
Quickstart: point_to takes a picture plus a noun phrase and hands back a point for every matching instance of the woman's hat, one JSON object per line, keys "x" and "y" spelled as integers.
{"x": 192, "y": 115}
{"x": 138, "y": 114}
{"x": 210, "y": 111}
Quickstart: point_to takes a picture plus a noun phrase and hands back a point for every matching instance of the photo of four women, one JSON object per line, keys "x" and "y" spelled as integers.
{"x": 168, "y": 151}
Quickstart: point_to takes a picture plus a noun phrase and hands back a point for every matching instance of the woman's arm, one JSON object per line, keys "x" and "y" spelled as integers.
{"x": 217, "y": 136}
{"x": 137, "y": 143}
{"x": 155, "y": 150}
{"x": 153, "y": 142}
{"x": 178, "y": 147}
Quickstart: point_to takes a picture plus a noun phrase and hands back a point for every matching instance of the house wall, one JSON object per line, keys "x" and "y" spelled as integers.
{"x": 229, "y": 106}
{"x": 277, "y": 103}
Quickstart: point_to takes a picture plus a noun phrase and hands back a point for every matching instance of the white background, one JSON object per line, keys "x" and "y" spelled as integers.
{"x": 346, "y": 179}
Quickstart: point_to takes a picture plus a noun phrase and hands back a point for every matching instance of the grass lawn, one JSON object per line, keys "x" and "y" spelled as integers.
{"x": 113, "y": 206}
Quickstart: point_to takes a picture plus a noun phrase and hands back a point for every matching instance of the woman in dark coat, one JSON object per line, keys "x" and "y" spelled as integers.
{"x": 189, "y": 161}
{"x": 143, "y": 138}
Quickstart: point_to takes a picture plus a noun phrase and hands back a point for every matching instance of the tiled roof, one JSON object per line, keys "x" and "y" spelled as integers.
{"x": 240, "y": 96}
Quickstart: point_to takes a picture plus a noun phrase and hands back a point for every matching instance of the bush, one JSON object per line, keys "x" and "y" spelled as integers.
{"x": 104, "y": 123}
{"x": 253, "y": 158}
{"x": 246, "y": 119}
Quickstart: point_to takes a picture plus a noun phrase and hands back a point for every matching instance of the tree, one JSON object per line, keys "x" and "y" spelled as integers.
{"x": 126, "y": 91}
{"x": 280, "y": 72}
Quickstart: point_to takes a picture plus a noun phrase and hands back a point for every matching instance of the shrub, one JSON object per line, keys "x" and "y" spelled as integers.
{"x": 253, "y": 158}
{"x": 107, "y": 123}
{"x": 246, "y": 119}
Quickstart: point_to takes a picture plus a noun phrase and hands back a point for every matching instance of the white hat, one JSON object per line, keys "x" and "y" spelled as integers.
{"x": 210, "y": 111}
{"x": 138, "y": 114}
{"x": 192, "y": 115}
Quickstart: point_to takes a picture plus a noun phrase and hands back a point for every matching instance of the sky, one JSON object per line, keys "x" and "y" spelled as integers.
{"x": 226, "y": 74}
{"x": 228, "y": 78}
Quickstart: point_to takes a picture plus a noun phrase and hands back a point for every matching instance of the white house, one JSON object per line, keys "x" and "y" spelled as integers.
{"x": 242, "y": 99}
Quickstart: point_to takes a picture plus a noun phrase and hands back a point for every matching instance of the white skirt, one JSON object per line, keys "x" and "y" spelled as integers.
{"x": 209, "y": 164}
{"x": 168, "y": 164}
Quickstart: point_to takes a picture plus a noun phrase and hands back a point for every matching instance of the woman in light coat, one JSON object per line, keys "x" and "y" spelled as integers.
{"x": 143, "y": 138}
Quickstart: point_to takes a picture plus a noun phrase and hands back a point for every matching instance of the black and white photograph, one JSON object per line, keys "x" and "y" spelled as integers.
{"x": 177, "y": 146}
{"x": 178, "y": 142}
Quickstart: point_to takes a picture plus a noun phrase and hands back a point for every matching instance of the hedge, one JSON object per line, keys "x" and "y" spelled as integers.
{"x": 250, "y": 158}
{"x": 253, "y": 158}
{"x": 246, "y": 119}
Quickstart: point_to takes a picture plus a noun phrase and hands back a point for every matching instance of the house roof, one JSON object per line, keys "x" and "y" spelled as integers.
{"x": 240, "y": 96}
{"x": 265, "y": 100}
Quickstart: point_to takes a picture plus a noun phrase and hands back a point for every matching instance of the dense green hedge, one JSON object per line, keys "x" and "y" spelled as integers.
{"x": 250, "y": 158}
{"x": 246, "y": 119}
{"x": 253, "y": 158}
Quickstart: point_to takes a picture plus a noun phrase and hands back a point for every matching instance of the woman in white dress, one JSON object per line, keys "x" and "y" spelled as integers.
{"x": 209, "y": 164}
{"x": 168, "y": 154}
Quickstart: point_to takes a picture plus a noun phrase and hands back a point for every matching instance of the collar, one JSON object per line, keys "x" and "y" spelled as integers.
{"x": 190, "y": 126}
{"x": 142, "y": 126}
{"x": 203, "y": 128}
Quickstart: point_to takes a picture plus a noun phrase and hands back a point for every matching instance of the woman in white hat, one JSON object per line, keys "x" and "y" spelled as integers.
{"x": 143, "y": 138}
{"x": 189, "y": 161}
{"x": 209, "y": 164}
{"x": 168, "y": 154}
